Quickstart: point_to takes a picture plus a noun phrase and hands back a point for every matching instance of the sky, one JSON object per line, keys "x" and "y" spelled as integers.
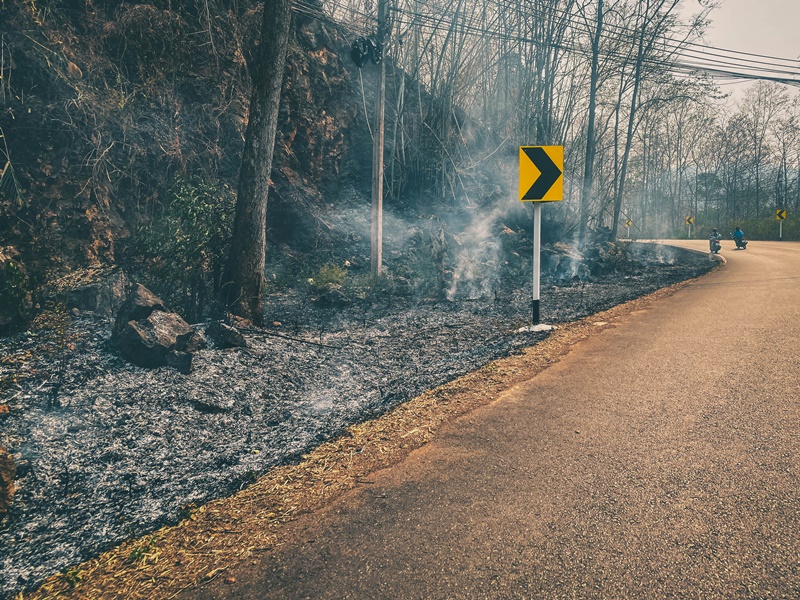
{"x": 760, "y": 26}
{"x": 768, "y": 27}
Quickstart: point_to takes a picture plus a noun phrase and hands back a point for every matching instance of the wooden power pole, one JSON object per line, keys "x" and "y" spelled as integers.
{"x": 376, "y": 257}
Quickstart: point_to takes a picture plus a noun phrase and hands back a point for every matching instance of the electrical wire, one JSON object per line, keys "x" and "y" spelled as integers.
{"x": 717, "y": 69}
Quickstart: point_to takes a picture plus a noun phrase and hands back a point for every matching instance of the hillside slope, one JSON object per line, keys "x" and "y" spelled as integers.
{"x": 106, "y": 107}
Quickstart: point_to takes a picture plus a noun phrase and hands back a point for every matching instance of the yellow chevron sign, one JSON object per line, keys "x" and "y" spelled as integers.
{"x": 541, "y": 173}
{"x": 780, "y": 214}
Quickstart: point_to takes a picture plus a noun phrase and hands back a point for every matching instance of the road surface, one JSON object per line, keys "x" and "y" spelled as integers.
{"x": 658, "y": 459}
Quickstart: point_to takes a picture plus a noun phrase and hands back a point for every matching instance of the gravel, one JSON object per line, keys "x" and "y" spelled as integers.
{"x": 107, "y": 451}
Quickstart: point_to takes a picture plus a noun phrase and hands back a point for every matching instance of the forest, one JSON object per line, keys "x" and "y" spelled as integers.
{"x": 191, "y": 292}
{"x": 124, "y": 124}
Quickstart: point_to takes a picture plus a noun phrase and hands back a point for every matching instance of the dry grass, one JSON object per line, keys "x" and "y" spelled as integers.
{"x": 223, "y": 533}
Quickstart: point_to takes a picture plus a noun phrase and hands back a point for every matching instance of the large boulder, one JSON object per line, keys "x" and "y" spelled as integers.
{"x": 103, "y": 297}
{"x": 8, "y": 473}
{"x": 139, "y": 304}
{"x": 151, "y": 336}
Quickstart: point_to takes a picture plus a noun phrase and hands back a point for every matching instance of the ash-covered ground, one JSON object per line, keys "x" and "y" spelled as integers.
{"x": 107, "y": 451}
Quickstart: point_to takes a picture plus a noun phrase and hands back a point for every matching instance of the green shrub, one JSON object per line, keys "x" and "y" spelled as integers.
{"x": 327, "y": 275}
{"x": 183, "y": 247}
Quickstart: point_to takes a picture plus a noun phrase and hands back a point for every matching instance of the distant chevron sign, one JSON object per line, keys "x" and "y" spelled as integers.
{"x": 541, "y": 173}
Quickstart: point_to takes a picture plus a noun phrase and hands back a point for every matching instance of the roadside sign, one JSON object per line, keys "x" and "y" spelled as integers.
{"x": 628, "y": 223}
{"x": 780, "y": 215}
{"x": 541, "y": 173}
{"x": 541, "y": 179}
{"x": 690, "y": 220}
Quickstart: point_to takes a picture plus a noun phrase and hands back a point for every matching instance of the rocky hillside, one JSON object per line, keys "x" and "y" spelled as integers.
{"x": 115, "y": 112}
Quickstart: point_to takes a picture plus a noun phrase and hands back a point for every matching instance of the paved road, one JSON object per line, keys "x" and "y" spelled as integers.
{"x": 658, "y": 459}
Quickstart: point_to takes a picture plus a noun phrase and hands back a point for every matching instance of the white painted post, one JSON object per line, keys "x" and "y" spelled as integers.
{"x": 376, "y": 231}
{"x": 780, "y": 229}
{"x": 537, "y": 259}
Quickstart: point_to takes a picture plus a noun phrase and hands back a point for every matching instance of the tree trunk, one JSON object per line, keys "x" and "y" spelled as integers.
{"x": 244, "y": 278}
{"x": 588, "y": 173}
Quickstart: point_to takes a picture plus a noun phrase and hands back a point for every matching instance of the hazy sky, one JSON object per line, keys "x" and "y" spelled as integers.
{"x": 768, "y": 27}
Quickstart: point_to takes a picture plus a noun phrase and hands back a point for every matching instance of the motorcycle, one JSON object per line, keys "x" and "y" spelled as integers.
{"x": 714, "y": 245}
{"x": 741, "y": 243}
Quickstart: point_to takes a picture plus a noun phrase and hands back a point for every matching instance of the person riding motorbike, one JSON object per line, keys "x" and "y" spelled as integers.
{"x": 713, "y": 241}
{"x": 738, "y": 237}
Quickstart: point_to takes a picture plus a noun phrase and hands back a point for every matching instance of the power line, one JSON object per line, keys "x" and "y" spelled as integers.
{"x": 704, "y": 49}
{"x": 717, "y": 69}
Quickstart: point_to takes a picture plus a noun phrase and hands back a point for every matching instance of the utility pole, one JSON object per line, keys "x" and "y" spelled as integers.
{"x": 376, "y": 238}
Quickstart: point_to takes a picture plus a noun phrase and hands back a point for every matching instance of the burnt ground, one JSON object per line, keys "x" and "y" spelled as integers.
{"x": 108, "y": 451}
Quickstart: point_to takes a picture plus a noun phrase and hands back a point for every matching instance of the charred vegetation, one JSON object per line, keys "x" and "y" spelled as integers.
{"x": 123, "y": 126}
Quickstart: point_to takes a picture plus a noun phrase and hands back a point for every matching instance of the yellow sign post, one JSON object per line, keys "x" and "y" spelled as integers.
{"x": 541, "y": 179}
{"x": 689, "y": 223}
{"x": 628, "y": 225}
{"x": 780, "y": 215}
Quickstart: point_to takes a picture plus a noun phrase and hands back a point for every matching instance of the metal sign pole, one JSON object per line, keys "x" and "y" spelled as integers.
{"x": 537, "y": 259}
{"x": 780, "y": 229}
{"x": 541, "y": 179}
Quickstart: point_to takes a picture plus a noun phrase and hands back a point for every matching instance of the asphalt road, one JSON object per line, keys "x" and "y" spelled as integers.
{"x": 658, "y": 459}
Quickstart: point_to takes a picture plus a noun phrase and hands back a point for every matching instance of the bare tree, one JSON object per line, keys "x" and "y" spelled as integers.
{"x": 244, "y": 274}
{"x": 759, "y": 108}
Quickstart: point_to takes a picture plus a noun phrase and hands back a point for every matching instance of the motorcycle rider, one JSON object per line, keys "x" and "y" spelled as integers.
{"x": 713, "y": 240}
{"x": 738, "y": 236}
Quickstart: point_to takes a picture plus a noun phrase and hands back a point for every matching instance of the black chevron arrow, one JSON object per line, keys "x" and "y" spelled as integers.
{"x": 549, "y": 173}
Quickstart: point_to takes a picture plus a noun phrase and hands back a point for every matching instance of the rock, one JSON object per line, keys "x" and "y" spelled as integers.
{"x": 147, "y": 342}
{"x": 139, "y": 304}
{"x": 225, "y": 336}
{"x": 333, "y": 295}
{"x": 149, "y": 335}
{"x": 196, "y": 342}
{"x": 4, "y": 411}
{"x": 104, "y": 297}
{"x": 8, "y": 473}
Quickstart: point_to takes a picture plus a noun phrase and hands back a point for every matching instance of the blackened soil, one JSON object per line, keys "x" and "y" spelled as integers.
{"x": 108, "y": 451}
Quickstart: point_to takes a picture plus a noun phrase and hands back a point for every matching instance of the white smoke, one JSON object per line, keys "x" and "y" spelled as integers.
{"x": 479, "y": 258}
